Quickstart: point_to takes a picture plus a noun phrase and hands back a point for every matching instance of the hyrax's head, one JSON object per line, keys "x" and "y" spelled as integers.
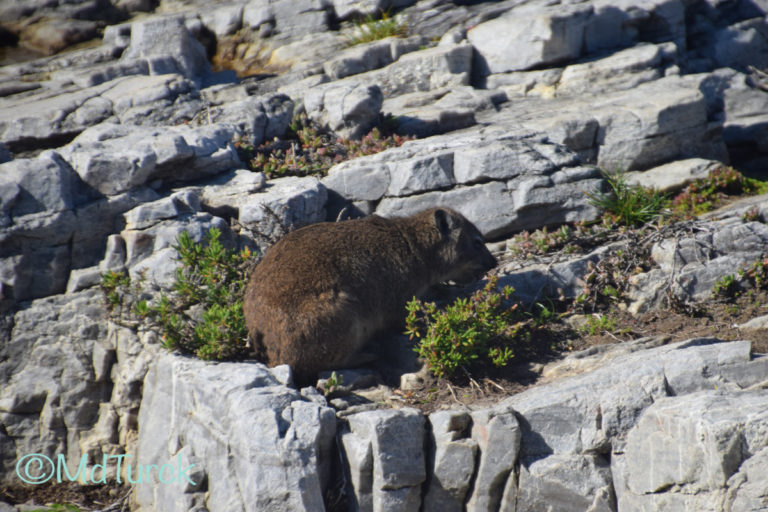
{"x": 461, "y": 251}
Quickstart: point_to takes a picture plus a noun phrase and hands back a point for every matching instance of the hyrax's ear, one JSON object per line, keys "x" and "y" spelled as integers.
{"x": 446, "y": 221}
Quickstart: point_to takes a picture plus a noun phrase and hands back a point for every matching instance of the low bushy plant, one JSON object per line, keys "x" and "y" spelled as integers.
{"x": 309, "y": 150}
{"x": 627, "y": 204}
{"x": 483, "y": 327}
{"x": 755, "y": 276}
{"x": 203, "y": 315}
{"x": 372, "y": 29}
{"x": 706, "y": 194}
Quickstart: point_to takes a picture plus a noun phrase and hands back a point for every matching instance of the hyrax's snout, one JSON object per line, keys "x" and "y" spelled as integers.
{"x": 475, "y": 260}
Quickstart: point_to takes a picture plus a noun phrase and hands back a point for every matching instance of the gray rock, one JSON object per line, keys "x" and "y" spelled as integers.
{"x": 562, "y": 417}
{"x": 673, "y": 176}
{"x": 224, "y": 20}
{"x": 285, "y": 204}
{"x": 43, "y": 184}
{"x": 116, "y": 158}
{"x": 433, "y": 68}
{"x": 742, "y": 44}
{"x": 370, "y": 56}
{"x": 284, "y": 467}
{"x": 441, "y": 110}
{"x": 420, "y": 174}
{"x": 565, "y": 483}
{"x": 530, "y": 37}
{"x": 624, "y": 69}
{"x": 351, "y": 110}
{"x": 228, "y": 192}
{"x": 82, "y": 278}
{"x": 50, "y": 399}
{"x": 168, "y": 46}
{"x": 693, "y": 445}
{"x": 100, "y": 73}
{"x": 347, "y": 8}
{"x": 692, "y": 265}
{"x": 497, "y": 434}
{"x": 396, "y": 439}
{"x": 746, "y": 490}
{"x": 258, "y": 118}
{"x": 452, "y": 461}
{"x": 536, "y": 282}
{"x": 38, "y": 119}
{"x": 488, "y": 206}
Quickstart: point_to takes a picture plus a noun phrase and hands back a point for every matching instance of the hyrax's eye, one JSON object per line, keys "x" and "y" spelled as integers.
{"x": 478, "y": 243}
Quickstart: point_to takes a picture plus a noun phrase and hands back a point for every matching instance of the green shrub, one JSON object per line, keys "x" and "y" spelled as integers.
{"x": 480, "y": 328}
{"x": 309, "y": 150}
{"x": 627, "y": 204}
{"x": 706, "y": 194}
{"x": 372, "y": 29}
{"x": 204, "y": 313}
{"x": 755, "y": 275}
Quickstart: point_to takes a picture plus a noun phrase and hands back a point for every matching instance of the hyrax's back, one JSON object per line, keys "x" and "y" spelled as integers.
{"x": 322, "y": 291}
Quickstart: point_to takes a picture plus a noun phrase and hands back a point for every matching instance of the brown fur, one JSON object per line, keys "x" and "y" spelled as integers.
{"x": 323, "y": 290}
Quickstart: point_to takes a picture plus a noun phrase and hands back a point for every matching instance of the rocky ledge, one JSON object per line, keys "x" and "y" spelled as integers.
{"x": 112, "y": 149}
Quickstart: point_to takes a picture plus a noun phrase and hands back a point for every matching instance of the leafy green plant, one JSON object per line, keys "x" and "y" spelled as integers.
{"x": 211, "y": 281}
{"x": 706, "y": 194}
{"x": 726, "y": 286}
{"x": 481, "y": 327}
{"x": 597, "y": 324}
{"x": 372, "y": 29}
{"x": 628, "y": 204}
{"x": 58, "y": 507}
{"x": 332, "y": 384}
{"x": 755, "y": 275}
{"x": 309, "y": 150}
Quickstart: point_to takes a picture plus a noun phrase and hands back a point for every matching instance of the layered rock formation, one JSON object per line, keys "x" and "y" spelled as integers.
{"x": 111, "y": 150}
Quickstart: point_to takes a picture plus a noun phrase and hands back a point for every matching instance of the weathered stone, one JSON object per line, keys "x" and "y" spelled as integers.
{"x": 396, "y": 438}
{"x": 169, "y": 46}
{"x": 746, "y": 489}
{"x": 259, "y": 118}
{"x": 113, "y": 159}
{"x": 191, "y": 403}
{"x": 564, "y": 483}
{"x": 420, "y": 174}
{"x": 530, "y": 37}
{"x": 285, "y": 204}
{"x": 44, "y": 407}
{"x": 623, "y": 70}
{"x": 497, "y": 434}
{"x": 367, "y": 182}
{"x": 367, "y": 57}
{"x": 452, "y": 461}
{"x": 488, "y": 206}
{"x": 224, "y": 20}
{"x": 742, "y": 44}
{"x": 439, "y": 111}
{"x": 697, "y": 443}
{"x": 43, "y": 184}
{"x": 351, "y": 110}
{"x": 346, "y": 8}
{"x": 673, "y": 176}
{"x": 43, "y": 118}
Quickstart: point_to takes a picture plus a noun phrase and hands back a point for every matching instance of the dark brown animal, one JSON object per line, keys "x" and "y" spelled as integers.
{"x": 322, "y": 291}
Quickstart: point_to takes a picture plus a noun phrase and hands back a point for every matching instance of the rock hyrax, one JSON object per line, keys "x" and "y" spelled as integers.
{"x": 322, "y": 291}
